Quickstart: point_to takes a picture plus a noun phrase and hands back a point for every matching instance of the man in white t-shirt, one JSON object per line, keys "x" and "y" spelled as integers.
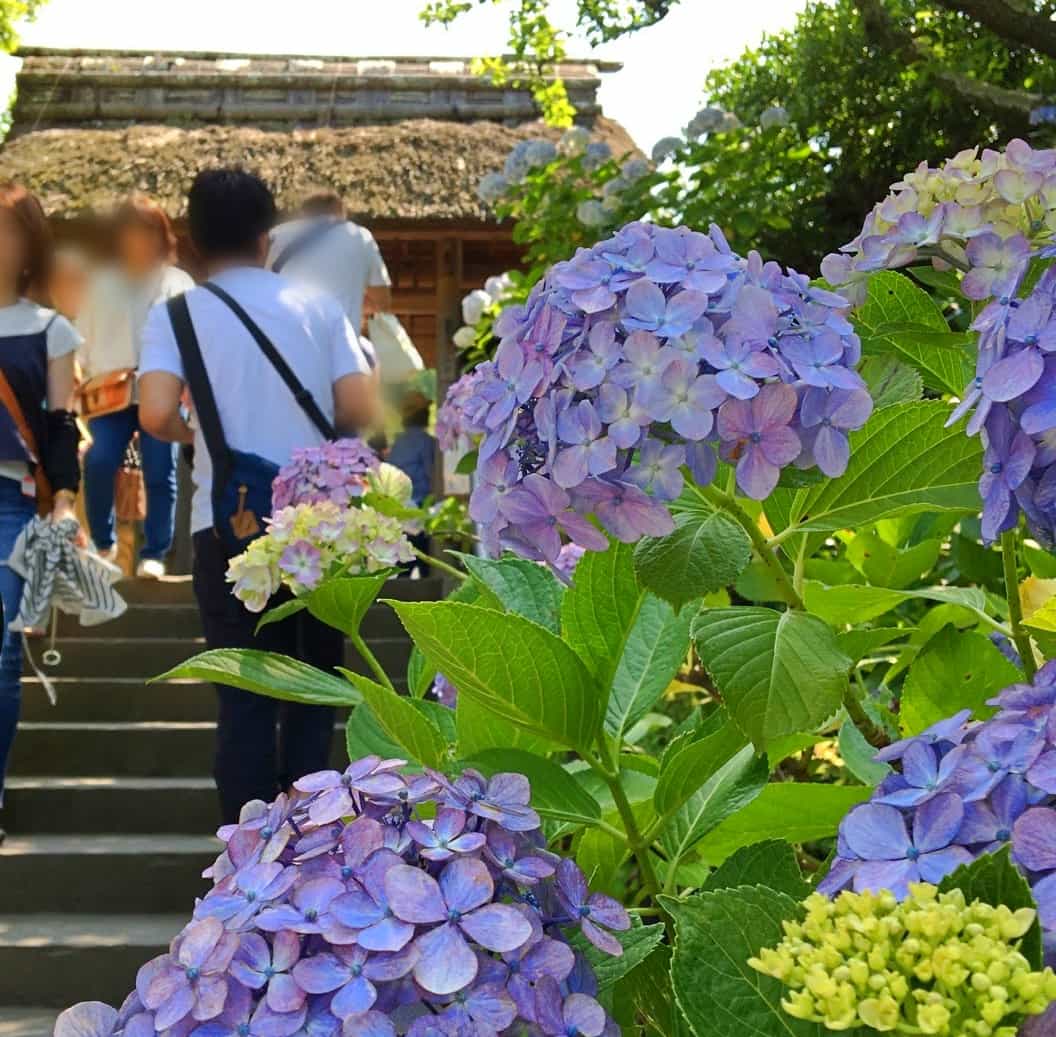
{"x": 325, "y": 249}
{"x": 230, "y": 213}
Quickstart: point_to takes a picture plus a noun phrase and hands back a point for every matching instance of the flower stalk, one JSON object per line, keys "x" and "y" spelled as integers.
{"x": 1020, "y": 636}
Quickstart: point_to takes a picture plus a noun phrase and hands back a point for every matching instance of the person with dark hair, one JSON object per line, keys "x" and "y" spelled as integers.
{"x": 233, "y": 341}
{"x": 120, "y": 295}
{"x": 325, "y": 249}
{"x": 39, "y": 469}
{"x": 414, "y": 450}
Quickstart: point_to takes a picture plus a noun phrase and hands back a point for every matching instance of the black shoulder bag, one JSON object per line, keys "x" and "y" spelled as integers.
{"x": 241, "y": 491}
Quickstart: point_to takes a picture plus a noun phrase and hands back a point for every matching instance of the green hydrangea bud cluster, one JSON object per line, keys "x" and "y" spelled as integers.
{"x": 932, "y": 964}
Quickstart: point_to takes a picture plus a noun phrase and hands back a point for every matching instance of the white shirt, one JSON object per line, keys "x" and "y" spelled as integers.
{"x": 113, "y": 315}
{"x": 257, "y": 411}
{"x": 28, "y": 318}
{"x": 344, "y": 261}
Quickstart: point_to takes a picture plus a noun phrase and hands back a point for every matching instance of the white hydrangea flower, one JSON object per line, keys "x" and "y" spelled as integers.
{"x": 591, "y": 213}
{"x": 474, "y": 305}
{"x": 573, "y": 141}
{"x": 773, "y": 117}
{"x": 730, "y": 122}
{"x": 464, "y": 337}
{"x": 390, "y": 481}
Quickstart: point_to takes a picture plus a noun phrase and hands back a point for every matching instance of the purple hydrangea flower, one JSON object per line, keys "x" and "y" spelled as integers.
{"x": 334, "y": 472}
{"x": 429, "y": 909}
{"x": 758, "y": 436}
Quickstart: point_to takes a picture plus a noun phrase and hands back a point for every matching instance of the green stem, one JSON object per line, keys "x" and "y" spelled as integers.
{"x": 873, "y": 734}
{"x": 371, "y": 660}
{"x": 1020, "y": 637}
{"x": 439, "y": 564}
{"x": 730, "y": 505}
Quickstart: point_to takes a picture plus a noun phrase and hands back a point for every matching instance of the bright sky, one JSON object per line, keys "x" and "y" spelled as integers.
{"x": 656, "y": 94}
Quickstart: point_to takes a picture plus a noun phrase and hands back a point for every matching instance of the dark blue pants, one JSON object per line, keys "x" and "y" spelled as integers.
{"x": 15, "y": 511}
{"x": 262, "y": 745}
{"x": 111, "y": 435}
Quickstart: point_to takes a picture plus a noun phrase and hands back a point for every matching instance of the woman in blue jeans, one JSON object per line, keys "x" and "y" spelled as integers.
{"x": 37, "y": 432}
{"x": 112, "y": 320}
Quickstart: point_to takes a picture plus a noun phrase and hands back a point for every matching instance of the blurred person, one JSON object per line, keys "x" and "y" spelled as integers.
{"x": 414, "y": 452}
{"x": 39, "y": 470}
{"x": 140, "y": 274}
{"x": 242, "y": 403}
{"x": 69, "y": 281}
{"x": 324, "y": 248}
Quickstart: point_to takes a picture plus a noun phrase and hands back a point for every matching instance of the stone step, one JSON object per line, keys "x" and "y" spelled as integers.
{"x": 138, "y": 806}
{"x": 104, "y": 873}
{"x": 144, "y": 750}
{"x": 117, "y": 700}
{"x": 149, "y": 657}
{"x": 27, "y": 1022}
{"x": 55, "y": 960}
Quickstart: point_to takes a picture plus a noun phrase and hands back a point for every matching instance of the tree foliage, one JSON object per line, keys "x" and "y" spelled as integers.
{"x": 12, "y": 12}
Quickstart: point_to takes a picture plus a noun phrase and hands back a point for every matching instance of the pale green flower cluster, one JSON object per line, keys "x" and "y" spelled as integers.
{"x": 932, "y": 964}
{"x": 308, "y": 543}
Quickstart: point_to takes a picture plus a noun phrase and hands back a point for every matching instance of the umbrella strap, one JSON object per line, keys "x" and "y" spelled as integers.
{"x": 45, "y": 680}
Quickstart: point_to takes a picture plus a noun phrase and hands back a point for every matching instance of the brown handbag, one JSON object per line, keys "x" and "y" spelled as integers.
{"x": 107, "y": 393}
{"x": 9, "y": 401}
{"x": 130, "y": 492}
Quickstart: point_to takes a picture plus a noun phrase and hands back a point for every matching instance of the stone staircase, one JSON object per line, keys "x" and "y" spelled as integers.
{"x": 110, "y": 805}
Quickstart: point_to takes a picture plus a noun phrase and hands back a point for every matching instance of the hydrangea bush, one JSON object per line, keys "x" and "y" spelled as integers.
{"x": 377, "y": 902}
{"x": 336, "y": 472}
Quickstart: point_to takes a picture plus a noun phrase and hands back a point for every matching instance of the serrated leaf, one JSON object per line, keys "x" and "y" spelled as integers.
{"x": 688, "y": 764}
{"x": 719, "y": 993}
{"x": 893, "y": 298}
{"x": 707, "y": 551}
{"x": 266, "y": 673}
{"x": 1042, "y": 627}
{"x": 857, "y": 644}
{"x": 653, "y": 652}
{"x": 858, "y": 756}
{"x": 729, "y": 790}
{"x": 397, "y": 717}
{"x": 281, "y": 612}
{"x": 364, "y": 737}
{"x": 771, "y": 863}
{"x": 994, "y": 879}
{"x": 780, "y": 673}
{"x": 511, "y": 666}
{"x": 890, "y": 381}
{"x": 857, "y": 603}
{"x": 638, "y": 943}
{"x": 420, "y": 675}
{"x": 902, "y": 462}
{"x": 479, "y": 729}
{"x": 796, "y": 812}
{"x": 957, "y": 670}
{"x": 526, "y": 588}
{"x": 342, "y": 603}
{"x": 555, "y": 794}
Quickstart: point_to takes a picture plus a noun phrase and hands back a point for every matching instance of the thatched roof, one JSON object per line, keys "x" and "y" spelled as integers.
{"x": 418, "y": 169}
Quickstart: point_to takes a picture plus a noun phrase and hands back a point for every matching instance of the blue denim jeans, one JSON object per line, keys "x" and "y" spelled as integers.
{"x": 15, "y": 511}
{"x": 111, "y": 435}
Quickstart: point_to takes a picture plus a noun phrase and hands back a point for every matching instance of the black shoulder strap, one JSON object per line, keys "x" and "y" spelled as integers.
{"x": 275, "y": 358}
{"x": 198, "y": 380}
{"x": 309, "y": 236}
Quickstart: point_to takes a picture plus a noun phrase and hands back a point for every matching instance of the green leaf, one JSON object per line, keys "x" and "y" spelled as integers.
{"x": 342, "y": 603}
{"x": 523, "y": 587}
{"x": 555, "y": 793}
{"x": 893, "y": 298}
{"x": 858, "y": 755}
{"x": 771, "y": 863}
{"x": 653, "y": 652}
{"x": 638, "y": 943}
{"x": 887, "y": 566}
{"x": 266, "y": 673}
{"x": 903, "y": 461}
{"x": 942, "y": 359}
{"x": 857, "y": 603}
{"x": 947, "y": 282}
{"x": 600, "y": 609}
{"x": 1042, "y": 627}
{"x": 719, "y": 993}
{"x": 515, "y": 668}
{"x": 479, "y": 729}
{"x": 281, "y": 612}
{"x": 364, "y": 737}
{"x": 1042, "y": 563}
{"x": 890, "y": 381}
{"x": 779, "y": 673}
{"x": 729, "y": 790}
{"x": 857, "y": 644}
{"x": 685, "y": 767}
{"x": 408, "y": 727}
{"x": 797, "y": 812}
{"x": 420, "y": 675}
{"x": 957, "y": 670}
{"x": 708, "y": 550}
{"x": 994, "y": 879}
{"x": 467, "y": 465}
